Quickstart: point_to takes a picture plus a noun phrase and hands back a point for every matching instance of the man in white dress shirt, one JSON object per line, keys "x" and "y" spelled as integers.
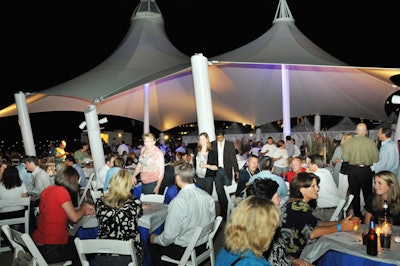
{"x": 192, "y": 207}
{"x": 328, "y": 195}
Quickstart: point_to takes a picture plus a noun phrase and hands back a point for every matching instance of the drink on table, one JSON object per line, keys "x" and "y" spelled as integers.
{"x": 372, "y": 240}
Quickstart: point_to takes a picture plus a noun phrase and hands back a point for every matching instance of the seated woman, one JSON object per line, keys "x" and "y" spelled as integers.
{"x": 386, "y": 188}
{"x": 276, "y": 254}
{"x": 11, "y": 187}
{"x": 249, "y": 232}
{"x": 119, "y": 163}
{"x": 117, "y": 214}
{"x": 299, "y": 226}
{"x": 56, "y": 208}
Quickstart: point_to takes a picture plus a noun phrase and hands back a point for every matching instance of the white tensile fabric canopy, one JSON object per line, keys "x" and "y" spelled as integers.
{"x": 346, "y": 124}
{"x": 246, "y": 84}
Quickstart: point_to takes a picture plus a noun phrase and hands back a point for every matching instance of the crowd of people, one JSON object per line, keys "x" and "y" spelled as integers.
{"x": 285, "y": 197}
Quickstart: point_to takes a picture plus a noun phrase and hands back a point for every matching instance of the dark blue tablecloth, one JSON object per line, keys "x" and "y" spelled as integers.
{"x": 335, "y": 258}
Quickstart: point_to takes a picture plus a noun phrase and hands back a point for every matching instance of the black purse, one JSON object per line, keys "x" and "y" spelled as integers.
{"x": 344, "y": 168}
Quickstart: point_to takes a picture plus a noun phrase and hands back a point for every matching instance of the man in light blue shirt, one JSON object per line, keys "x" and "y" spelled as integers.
{"x": 267, "y": 167}
{"x": 70, "y": 161}
{"x": 192, "y": 207}
{"x": 388, "y": 153}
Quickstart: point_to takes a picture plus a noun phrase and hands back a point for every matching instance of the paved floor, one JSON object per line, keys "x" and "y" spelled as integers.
{"x": 6, "y": 257}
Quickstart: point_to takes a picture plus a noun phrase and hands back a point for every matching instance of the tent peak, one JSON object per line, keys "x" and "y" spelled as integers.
{"x": 283, "y": 12}
{"x": 147, "y": 8}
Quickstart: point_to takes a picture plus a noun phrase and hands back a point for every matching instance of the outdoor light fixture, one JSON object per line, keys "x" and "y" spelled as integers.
{"x": 82, "y": 125}
{"x": 103, "y": 120}
{"x": 396, "y": 99}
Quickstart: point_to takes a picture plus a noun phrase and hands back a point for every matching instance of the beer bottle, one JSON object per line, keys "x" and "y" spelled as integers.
{"x": 372, "y": 241}
{"x": 385, "y": 210}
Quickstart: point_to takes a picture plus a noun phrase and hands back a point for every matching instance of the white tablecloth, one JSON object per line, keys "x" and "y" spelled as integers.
{"x": 350, "y": 243}
{"x": 154, "y": 215}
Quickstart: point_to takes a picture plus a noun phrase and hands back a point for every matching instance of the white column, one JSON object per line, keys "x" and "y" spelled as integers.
{"x": 25, "y": 124}
{"x": 397, "y": 133}
{"x": 317, "y": 123}
{"x": 146, "y": 111}
{"x": 258, "y": 134}
{"x": 96, "y": 145}
{"x": 161, "y": 138}
{"x": 202, "y": 92}
{"x": 285, "y": 100}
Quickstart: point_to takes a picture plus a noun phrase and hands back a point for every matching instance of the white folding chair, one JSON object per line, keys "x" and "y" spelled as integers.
{"x": 339, "y": 208}
{"x": 106, "y": 246}
{"x": 15, "y": 202}
{"x": 346, "y": 206}
{"x": 230, "y": 196}
{"x": 189, "y": 257}
{"x": 152, "y": 198}
{"x": 85, "y": 190}
{"x": 95, "y": 194}
{"x": 15, "y": 162}
{"x": 14, "y": 237}
{"x": 18, "y": 239}
{"x": 36, "y": 255}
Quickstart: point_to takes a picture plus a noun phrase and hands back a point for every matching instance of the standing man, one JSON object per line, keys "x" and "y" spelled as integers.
{"x": 226, "y": 162}
{"x": 388, "y": 153}
{"x": 122, "y": 147}
{"x": 60, "y": 154}
{"x": 360, "y": 152}
{"x": 192, "y": 207}
{"x": 289, "y": 146}
{"x": 269, "y": 148}
{"x": 328, "y": 194}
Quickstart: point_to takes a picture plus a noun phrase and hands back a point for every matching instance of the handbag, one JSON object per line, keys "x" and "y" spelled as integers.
{"x": 344, "y": 168}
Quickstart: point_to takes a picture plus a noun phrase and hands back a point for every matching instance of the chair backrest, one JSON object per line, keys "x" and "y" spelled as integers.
{"x": 15, "y": 162}
{"x": 85, "y": 190}
{"x": 96, "y": 194}
{"x": 106, "y": 246}
{"x": 36, "y": 255}
{"x": 337, "y": 213}
{"x": 210, "y": 244}
{"x": 209, "y": 229}
{"x": 346, "y": 206}
{"x": 152, "y": 198}
{"x": 229, "y": 190}
{"x": 18, "y": 239}
{"x": 14, "y": 237}
{"x": 16, "y": 202}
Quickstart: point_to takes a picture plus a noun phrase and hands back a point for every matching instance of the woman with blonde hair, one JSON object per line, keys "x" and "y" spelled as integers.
{"x": 341, "y": 168}
{"x": 117, "y": 214}
{"x": 205, "y": 161}
{"x": 386, "y": 188}
{"x": 150, "y": 166}
{"x": 249, "y": 232}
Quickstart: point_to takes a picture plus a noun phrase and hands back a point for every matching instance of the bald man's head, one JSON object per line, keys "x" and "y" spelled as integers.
{"x": 361, "y": 129}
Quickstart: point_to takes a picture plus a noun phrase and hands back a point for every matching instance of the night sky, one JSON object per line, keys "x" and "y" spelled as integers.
{"x": 48, "y": 42}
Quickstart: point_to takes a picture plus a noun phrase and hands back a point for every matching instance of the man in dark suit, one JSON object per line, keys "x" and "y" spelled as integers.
{"x": 226, "y": 162}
